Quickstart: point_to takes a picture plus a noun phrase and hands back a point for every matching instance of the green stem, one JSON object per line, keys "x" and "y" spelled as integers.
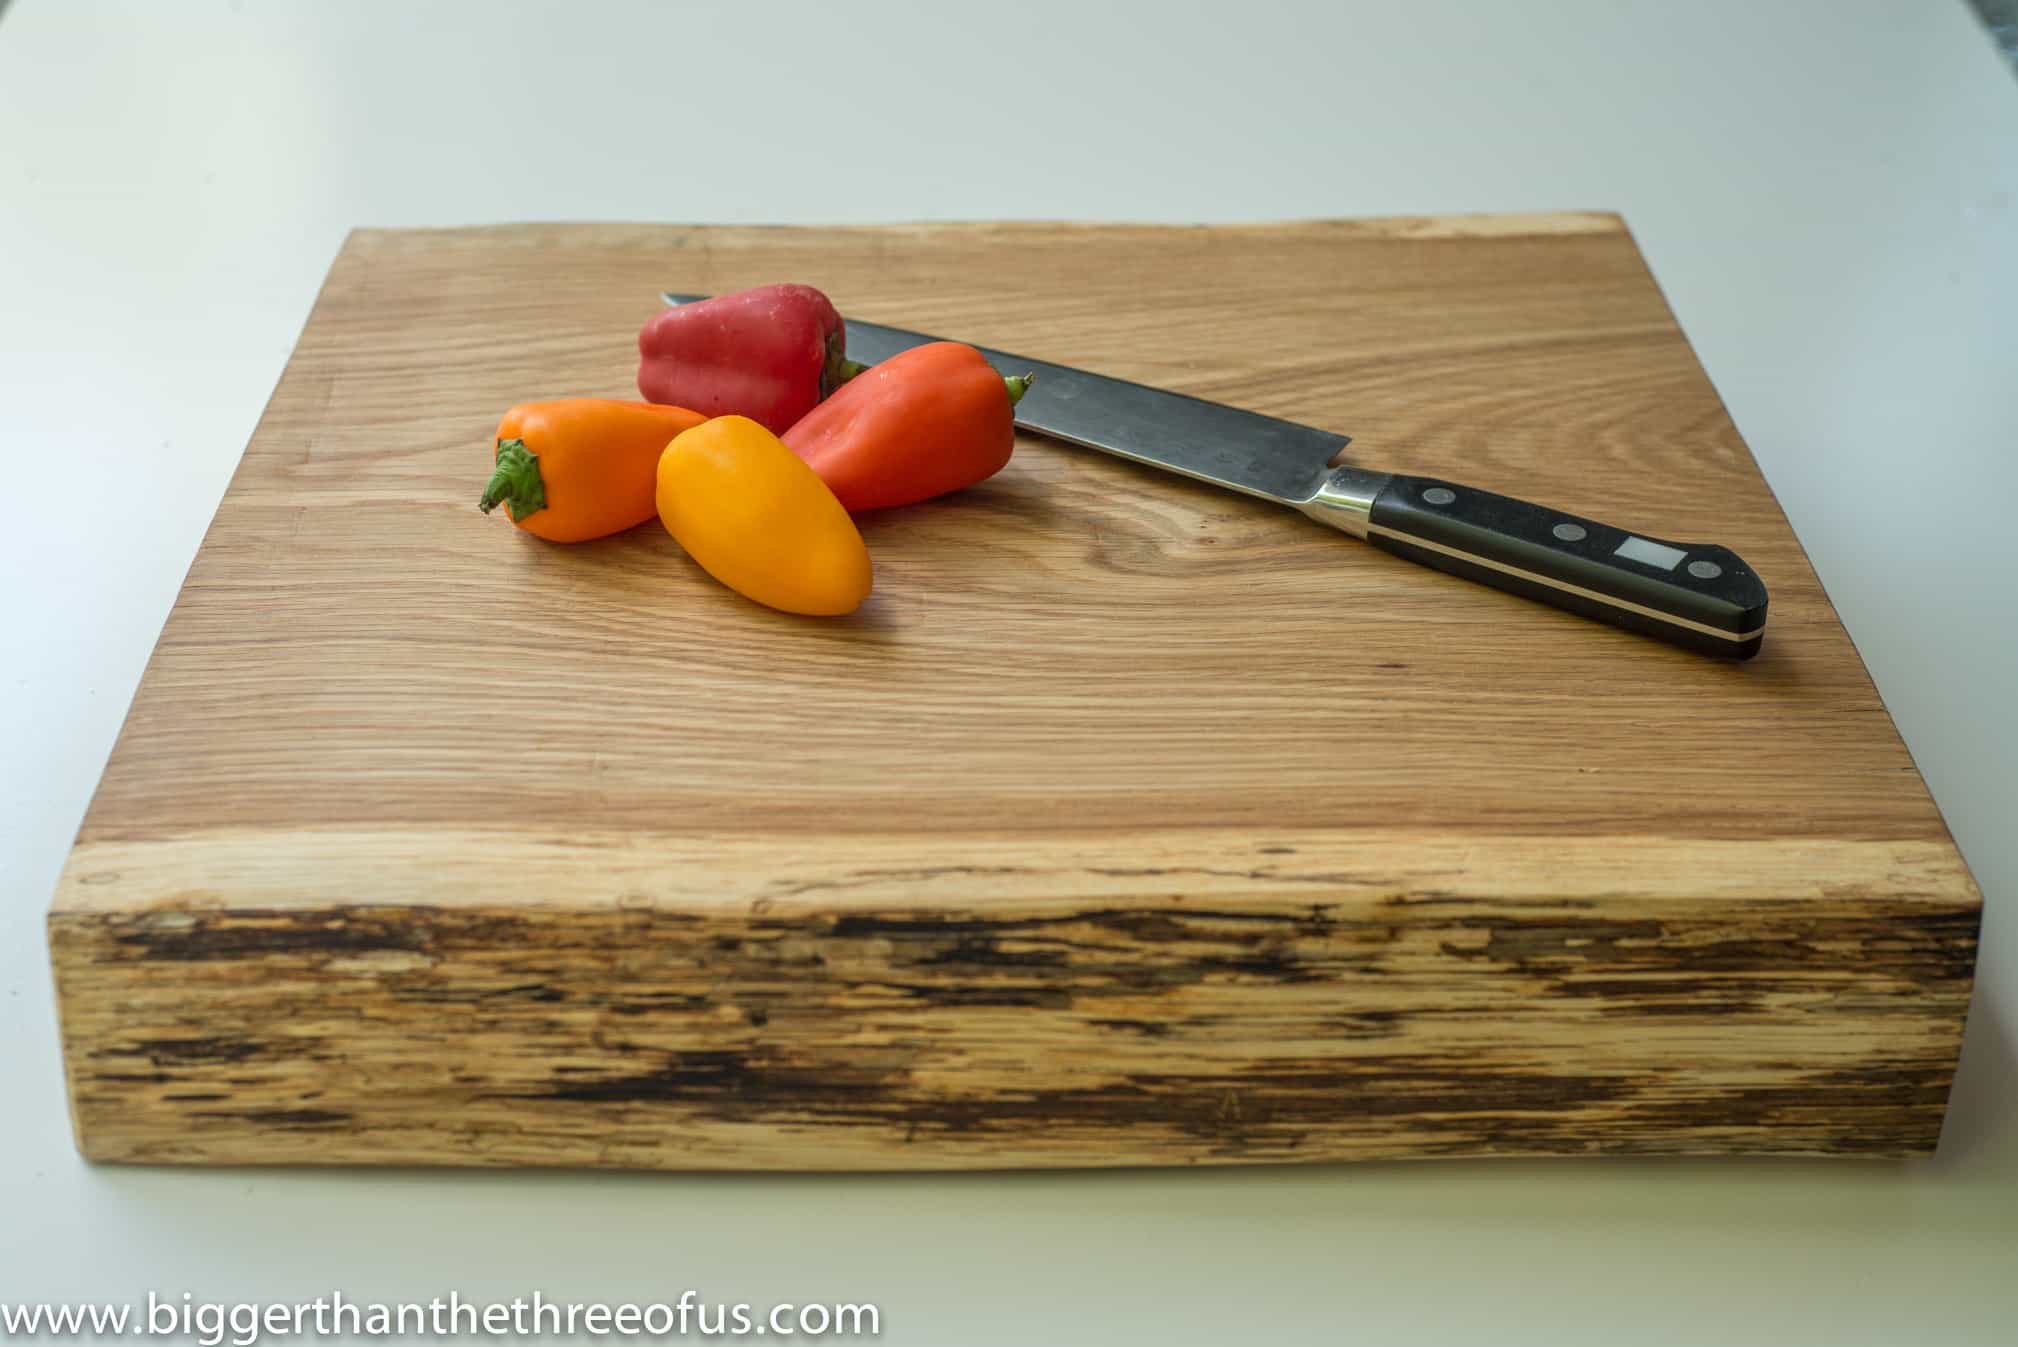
{"x": 515, "y": 482}
{"x": 1019, "y": 384}
{"x": 838, "y": 369}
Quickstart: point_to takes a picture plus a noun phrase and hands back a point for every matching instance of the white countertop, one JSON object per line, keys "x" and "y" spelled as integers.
{"x": 1827, "y": 192}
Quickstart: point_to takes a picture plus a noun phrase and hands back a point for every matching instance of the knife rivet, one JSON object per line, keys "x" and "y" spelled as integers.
{"x": 1705, "y": 570}
{"x": 1439, "y": 495}
{"x": 1569, "y": 533}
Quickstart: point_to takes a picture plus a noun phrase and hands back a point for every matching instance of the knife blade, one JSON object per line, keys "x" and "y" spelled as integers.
{"x": 1700, "y": 596}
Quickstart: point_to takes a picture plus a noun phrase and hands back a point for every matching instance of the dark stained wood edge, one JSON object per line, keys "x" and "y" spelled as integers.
{"x": 1143, "y": 1031}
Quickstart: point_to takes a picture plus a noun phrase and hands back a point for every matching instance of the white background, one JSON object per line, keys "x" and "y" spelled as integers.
{"x": 1826, "y": 190}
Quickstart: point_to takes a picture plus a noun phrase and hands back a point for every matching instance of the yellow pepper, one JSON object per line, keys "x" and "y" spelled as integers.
{"x": 758, "y": 519}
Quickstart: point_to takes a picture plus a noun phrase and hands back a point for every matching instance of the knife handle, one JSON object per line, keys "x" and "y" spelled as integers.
{"x": 1697, "y": 595}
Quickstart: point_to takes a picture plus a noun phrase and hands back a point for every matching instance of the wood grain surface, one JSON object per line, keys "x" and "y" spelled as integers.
{"x": 1129, "y": 822}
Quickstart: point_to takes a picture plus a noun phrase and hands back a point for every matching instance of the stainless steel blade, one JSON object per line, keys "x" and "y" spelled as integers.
{"x": 1239, "y": 450}
{"x": 1242, "y": 451}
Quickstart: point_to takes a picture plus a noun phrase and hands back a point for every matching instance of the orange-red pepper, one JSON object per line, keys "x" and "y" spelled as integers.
{"x": 930, "y": 420}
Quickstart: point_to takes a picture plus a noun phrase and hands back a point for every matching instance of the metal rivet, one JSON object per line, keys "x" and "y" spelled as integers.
{"x": 1439, "y": 495}
{"x": 1705, "y": 570}
{"x": 1569, "y": 533}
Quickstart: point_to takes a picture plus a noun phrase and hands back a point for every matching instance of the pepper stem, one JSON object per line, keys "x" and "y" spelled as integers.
{"x": 1019, "y": 384}
{"x": 837, "y": 369}
{"x": 515, "y": 482}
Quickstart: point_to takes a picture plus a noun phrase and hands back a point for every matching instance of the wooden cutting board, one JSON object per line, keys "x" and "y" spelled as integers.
{"x": 1130, "y": 822}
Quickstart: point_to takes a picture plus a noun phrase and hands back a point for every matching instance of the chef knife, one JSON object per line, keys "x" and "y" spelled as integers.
{"x": 1701, "y": 596}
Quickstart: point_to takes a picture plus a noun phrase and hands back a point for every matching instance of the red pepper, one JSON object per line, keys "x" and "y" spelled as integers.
{"x": 931, "y": 420}
{"x": 769, "y": 354}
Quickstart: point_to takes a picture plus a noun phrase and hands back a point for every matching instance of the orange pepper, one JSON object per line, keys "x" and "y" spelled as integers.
{"x": 760, "y": 521}
{"x": 930, "y": 420}
{"x": 581, "y": 467}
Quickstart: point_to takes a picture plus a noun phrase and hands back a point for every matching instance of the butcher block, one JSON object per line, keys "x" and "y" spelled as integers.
{"x": 1129, "y": 822}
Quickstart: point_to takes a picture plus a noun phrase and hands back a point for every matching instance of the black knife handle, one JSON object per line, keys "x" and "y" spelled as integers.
{"x": 1697, "y": 595}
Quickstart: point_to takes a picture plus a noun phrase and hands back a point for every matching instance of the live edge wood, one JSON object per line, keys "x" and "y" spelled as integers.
{"x": 1129, "y": 823}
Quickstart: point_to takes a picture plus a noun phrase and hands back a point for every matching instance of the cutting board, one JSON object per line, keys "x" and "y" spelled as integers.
{"x": 1129, "y": 822}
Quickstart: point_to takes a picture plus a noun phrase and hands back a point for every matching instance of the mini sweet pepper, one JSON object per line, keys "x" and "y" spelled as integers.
{"x": 761, "y": 521}
{"x": 580, "y": 468}
{"x": 930, "y": 420}
{"x": 769, "y": 354}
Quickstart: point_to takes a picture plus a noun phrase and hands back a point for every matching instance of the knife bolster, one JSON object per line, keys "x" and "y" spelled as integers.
{"x": 1344, "y": 499}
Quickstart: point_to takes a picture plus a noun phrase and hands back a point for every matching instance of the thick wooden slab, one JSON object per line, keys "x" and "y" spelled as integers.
{"x": 1129, "y": 822}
